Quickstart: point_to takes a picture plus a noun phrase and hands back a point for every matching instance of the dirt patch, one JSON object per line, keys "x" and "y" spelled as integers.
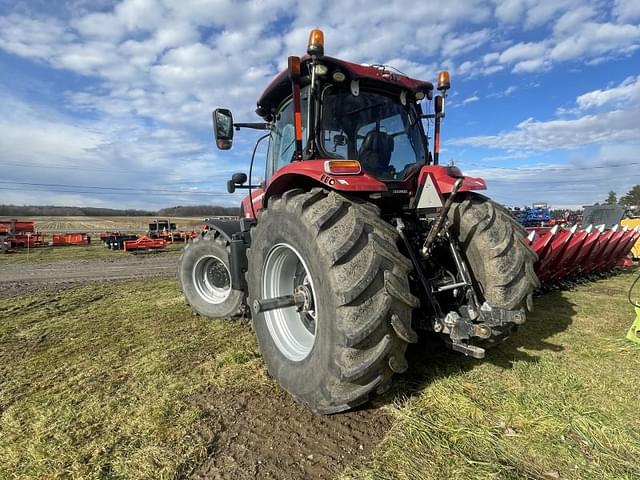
{"x": 20, "y": 278}
{"x": 269, "y": 435}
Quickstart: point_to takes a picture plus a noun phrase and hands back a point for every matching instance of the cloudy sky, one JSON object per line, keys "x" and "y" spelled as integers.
{"x": 107, "y": 103}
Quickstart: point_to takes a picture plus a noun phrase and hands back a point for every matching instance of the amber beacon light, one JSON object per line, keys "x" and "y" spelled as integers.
{"x": 315, "y": 48}
{"x": 444, "y": 82}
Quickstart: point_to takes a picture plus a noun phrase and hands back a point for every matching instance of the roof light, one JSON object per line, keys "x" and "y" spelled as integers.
{"x": 444, "y": 82}
{"x": 338, "y": 76}
{"x": 315, "y": 46}
{"x": 419, "y": 95}
{"x": 320, "y": 69}
{"x": 342, "y": 167}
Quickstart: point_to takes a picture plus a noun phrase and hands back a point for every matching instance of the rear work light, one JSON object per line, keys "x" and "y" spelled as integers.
{"x": 342, "y": 167}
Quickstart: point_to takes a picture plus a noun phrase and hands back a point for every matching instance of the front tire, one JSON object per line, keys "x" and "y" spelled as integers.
{"x": 353, "y": 334}
{"x": 205, "y": 278}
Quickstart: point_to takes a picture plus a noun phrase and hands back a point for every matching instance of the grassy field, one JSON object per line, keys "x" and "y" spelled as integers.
{"x": 98, "y": 381}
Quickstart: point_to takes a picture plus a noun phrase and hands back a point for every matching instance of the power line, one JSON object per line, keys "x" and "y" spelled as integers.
{"x": 553, "y": 169}
{"x": 516, "y": 182}
{"x": 95, "y": 169}
{"x": 123, "y": 189}
{"x": 176, "y": 194}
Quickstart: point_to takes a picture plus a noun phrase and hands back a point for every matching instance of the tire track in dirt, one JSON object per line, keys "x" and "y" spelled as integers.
{"x": 269, "y": 435}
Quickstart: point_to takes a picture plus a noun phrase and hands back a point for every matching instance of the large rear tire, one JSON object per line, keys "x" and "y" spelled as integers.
{"x": 352, "y": 334}
{"x": 205, "y": 278}
{"x": 492, "y": 242}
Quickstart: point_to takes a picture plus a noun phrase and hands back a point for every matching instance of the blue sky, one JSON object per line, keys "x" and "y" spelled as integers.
{"x": 545, "y": 102}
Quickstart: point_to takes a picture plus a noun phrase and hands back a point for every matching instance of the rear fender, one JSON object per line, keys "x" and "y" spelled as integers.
{"x": 311, "y": 173}
{"x": 236, "y": 233}
{"x": 445, "y": 177}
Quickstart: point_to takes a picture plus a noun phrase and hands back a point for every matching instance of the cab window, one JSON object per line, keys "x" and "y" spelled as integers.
{"x": 283, "y": 144}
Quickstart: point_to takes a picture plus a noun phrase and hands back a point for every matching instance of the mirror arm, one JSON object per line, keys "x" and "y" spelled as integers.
{"x": 254, "y": 126}
{"x": 432, "y": 115}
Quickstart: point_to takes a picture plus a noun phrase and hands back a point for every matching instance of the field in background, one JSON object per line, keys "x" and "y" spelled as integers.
{"x": 109, "y": 223}
{"x": 76, "y": 252}
{"x": 120, "y": 380}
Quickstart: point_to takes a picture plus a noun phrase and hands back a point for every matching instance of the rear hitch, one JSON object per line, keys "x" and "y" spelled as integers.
{"x": 461, "y": 329}
{"x": 469, "y": 350}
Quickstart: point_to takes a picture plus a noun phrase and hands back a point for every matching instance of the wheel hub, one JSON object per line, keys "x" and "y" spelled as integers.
{"x": 307, "y": 309}
{"x": 212, "y": 279}
{"x": 293, "y": 329}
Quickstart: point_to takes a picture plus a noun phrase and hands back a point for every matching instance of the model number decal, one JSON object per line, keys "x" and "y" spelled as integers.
{"x": 327, "y": 179}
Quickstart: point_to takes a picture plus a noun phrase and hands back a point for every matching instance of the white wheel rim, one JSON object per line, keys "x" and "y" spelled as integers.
{"x": 287, "y": 327}
{"x": 212, "y": 279}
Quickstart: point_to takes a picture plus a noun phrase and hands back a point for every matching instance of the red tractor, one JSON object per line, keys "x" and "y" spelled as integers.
{"x": 358, "y": 237}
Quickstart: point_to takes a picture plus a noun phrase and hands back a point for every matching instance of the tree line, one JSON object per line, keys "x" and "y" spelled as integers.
{"x": 56, "y": 211}
{"x": 630, "y": 199}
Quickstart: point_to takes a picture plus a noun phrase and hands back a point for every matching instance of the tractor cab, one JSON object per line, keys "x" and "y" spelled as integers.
{"x": 323, "y": 108}
{"x": 349, "y": 112}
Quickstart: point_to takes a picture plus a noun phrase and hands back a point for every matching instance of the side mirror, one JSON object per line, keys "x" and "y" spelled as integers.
{"x": 237, "y": 179}
{"x": 223, "y": 128}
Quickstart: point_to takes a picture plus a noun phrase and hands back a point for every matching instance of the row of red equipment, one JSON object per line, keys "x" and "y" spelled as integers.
{"x": 566, "y": 253}
{"x": 20, "y": 233}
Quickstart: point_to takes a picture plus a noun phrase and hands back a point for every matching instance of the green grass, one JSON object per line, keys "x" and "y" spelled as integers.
{"x": 97, "y": 382}
{"x": 559, "y": 401}
{"x": 72, "y": 252}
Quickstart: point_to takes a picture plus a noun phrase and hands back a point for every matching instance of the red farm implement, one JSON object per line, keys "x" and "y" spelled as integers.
{"x": 564, "y": 255}
{"x": 20, "y": 234}
{"x": 145, "y": 244}
{"x": 64, "y": 239}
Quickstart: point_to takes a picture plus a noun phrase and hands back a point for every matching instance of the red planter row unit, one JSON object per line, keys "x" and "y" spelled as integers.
{"x": 564, "y": 254}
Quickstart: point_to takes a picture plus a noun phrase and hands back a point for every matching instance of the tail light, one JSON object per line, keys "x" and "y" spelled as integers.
{"x": 342, "y": 167}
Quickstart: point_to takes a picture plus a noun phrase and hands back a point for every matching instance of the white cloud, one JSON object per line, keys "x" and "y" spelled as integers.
{"x": 471, "y": 99}
{"x": 522, "y": 51}
{"x": 628, "y": 92}
{"x": 456, "y": 45}
{"x": 105, "y": 153}
{"x": 616, "y": 126}
{"x": 594, "y": 39}
{"x": 620, "y": 124}
{"x": 586, "y": 177}
{"x": 626, "y": 10}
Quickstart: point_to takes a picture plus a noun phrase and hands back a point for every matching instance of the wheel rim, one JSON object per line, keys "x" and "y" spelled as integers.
{"x": 212, "y": 279}
{"x": 292, "y": 329}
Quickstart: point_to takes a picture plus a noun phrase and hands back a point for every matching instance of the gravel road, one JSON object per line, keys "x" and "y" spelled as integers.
{"x": 17, "y": 278}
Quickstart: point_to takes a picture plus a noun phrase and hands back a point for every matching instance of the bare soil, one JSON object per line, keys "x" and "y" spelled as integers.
{"x": 24, "y": 277}
{"x": 269, "y": 435}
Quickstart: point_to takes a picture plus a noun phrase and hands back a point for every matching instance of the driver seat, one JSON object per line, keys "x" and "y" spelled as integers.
{"x": 375, "y": 152}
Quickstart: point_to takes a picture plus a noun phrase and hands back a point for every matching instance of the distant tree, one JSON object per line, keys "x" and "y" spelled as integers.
{"x": 632, "y": 197}
{"x": 612, "y": 198}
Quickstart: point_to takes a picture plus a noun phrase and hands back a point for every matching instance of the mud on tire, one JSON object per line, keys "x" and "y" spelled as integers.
{"x": 360, "y": 282}
{"x": 203, "y": 274}
{"x": 492, "y": 242}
